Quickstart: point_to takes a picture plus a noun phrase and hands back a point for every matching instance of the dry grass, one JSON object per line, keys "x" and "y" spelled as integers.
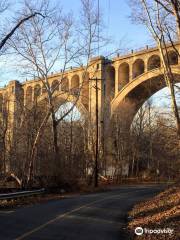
{"x": 163, "y": 211}
{"x": 13, "y": 203}
{"x": 19, "y": 202}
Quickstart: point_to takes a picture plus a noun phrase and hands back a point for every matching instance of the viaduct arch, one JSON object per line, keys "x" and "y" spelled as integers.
{"x": 142, "y": 88}
{"x": 133, "y": 78}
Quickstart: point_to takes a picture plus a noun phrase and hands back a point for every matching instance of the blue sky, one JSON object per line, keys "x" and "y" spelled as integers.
{"x": 117, "y": 22}
{"x": 118, "y": 25}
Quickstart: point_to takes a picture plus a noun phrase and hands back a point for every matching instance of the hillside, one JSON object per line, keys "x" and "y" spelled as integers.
{"x": 161, "y": 213}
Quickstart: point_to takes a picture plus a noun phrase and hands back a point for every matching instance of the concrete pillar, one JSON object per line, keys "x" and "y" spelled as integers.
{"x": 145, "y": 64}
{"x": 14, "y": 107}
{"x": 130, "y": 71}
{"x": 116, "y": 80}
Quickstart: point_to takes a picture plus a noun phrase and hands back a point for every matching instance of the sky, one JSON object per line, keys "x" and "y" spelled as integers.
{"x": 118, "y": 25}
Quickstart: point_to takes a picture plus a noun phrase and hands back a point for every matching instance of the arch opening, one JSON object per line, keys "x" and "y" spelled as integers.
{"x": 140, "y": 91}
{"x": 44, "y": 90}
{"x": 159, "y": 102}
{"x": 75, "y": 85}
{"x": 123, "y": 75}
{"x": 172, "y": 57}
{"x": 6, "y": 101}
{"x": 37, "y": 91}
{"x": 21, "y": 97}
{"x": 1, "y": 103}
{"x": 29, "y": 95}
{"x": 153, "y": 132}
{"x": 110, "y": 82}
{"x": 73, "y": 116}
{"x": 138, "y": 68}
{"x": 55, "y": 86}
{"x": 153, "y": 62}
{"x": 65, "y": 84}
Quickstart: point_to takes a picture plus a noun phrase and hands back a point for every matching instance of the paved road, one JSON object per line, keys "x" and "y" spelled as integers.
{"x": 100, "y": 216}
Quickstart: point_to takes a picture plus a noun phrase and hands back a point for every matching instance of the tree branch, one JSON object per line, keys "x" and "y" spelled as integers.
{"x": 3, "y": 42}
{"x": 164, "y": 6}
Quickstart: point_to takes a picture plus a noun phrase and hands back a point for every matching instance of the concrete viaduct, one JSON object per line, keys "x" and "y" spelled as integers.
{"x": 133, "y": 77}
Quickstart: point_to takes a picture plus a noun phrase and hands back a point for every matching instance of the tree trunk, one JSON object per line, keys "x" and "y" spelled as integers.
{"x": 169, "y": 79}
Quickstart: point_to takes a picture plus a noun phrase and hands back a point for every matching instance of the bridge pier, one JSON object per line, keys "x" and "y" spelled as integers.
{"x": 10, "y": 115}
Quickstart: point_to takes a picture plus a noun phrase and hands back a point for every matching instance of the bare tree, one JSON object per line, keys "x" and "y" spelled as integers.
{"x": 172, "y": 7}
{"x": 157, "y": 22}
{"x": 45, "y": 43}
{"x": 6, "y": 35}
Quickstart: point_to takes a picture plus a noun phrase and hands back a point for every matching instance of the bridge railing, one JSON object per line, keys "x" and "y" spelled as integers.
{"x": 145, "y": 48}
{"x": 8, "y": 196}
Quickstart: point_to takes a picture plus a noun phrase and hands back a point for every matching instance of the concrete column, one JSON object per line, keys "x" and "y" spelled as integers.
{"x": 14, "y": 108}
{"x": 145, "y": 64}
{"x": 130, "y": 71}
{"x": 116, "y": 79}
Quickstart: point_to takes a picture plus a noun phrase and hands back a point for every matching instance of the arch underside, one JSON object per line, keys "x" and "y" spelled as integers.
{"x": 61, "y": 99}
{"x": 137, "y": 92}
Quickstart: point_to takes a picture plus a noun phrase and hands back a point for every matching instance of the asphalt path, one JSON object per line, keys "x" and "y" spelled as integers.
{"x": 99, "y": 216}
